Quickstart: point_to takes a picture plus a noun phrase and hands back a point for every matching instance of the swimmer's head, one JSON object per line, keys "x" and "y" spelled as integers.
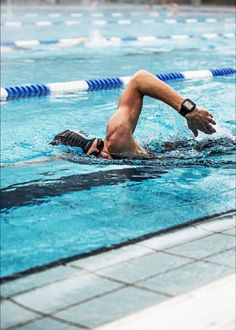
{"x": 91, "y": 147}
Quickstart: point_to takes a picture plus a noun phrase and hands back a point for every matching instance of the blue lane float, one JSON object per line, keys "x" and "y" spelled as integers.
{"x": 17, "y": 92}
{"x": 115, "y": 40}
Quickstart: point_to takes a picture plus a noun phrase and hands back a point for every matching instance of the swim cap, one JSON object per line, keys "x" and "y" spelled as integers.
{"x": 79, "y": 140}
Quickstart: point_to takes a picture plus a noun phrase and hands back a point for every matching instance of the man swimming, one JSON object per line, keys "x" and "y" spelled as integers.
{"x": 121, "y": 126}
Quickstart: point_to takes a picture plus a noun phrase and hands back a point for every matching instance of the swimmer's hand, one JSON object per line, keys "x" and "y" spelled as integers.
{"x": 200, "y": 120}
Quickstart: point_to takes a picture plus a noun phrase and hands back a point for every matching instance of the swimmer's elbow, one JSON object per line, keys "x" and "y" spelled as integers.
{"x": 142, "y": 81}
{"x": 139, "y": 77}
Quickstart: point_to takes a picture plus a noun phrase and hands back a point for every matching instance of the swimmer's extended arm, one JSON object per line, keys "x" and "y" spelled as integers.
{"x": 144, "y": 83}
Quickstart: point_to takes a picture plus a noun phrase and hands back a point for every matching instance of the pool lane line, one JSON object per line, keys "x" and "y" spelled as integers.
{"x": 39, "y": 191}
{"x": 153, "y": 13}
{"x": 63, "y": 261}
{"x": 123, "y": 21}
{"x": 8, "y": 93}
{"x": 69, "y": 42}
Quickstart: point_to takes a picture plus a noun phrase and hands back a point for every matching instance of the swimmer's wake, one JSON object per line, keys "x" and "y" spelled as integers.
{"x": 164, "y": 154}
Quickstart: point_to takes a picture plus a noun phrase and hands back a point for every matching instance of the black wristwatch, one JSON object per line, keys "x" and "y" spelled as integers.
{"x": 186, "y": 107}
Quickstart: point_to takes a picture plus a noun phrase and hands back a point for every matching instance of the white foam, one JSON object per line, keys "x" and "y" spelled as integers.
{"x": 97, "y": 40}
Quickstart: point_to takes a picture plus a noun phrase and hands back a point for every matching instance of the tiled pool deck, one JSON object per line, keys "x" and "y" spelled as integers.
{"x": 87, "y": 293}
{"x": 209, "y": 307}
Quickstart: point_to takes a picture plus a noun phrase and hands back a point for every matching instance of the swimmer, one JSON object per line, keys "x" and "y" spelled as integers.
{"x": 174, "y": 8}
{"x": 119, "y": 141}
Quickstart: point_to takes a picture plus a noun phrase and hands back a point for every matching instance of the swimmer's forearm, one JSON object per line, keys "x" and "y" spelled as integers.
{"x": 150, "y": 85}
{"x": 145, "y": 83}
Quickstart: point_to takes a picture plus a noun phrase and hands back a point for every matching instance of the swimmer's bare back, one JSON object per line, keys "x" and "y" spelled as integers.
{"x": 121, "y": 126}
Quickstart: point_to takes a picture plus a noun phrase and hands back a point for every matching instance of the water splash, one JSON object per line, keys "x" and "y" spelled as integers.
{"x": 96, "y": 40}
{"x": 211, "y": 152}
{"x": 191, "y": 147}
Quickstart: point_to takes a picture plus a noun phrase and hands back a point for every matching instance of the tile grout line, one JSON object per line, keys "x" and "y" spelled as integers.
{"x": 130, "y": 242}
{"x": 229, "y": 234}
{"x": 218, "y": 264}
{"x": 112, "y": 265}
{"x": 151, "y": 276}
{"x": 68, "y": 306}
{"x": 28, "y": 308}
{"x": 221, "y": 230}
{"x": 190, "y": 240}
{"x": 191, "y": 261}
{"x": 124, "y": 284}
{"x": 180, "y": 243}
{"x": 52, "y": 316}
{"x": 167, "y": 295}
{"x": 46, "y": 284}
{"x": 201, "y": 258}
{"x": 13, "y": 327}
{"x": 87, "y": 272}
{"x": 152, "y": 251}
{"x": 79, "y": 326}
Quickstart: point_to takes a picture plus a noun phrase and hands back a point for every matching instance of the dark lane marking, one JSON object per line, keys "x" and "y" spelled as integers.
{"x": 65, "y": 260}
{"x": 38, "y": 191}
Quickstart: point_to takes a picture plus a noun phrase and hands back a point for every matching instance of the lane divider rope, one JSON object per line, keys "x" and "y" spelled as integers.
{"x": 105, "y": 83}
{"x": 16, "y": 24}
{"x": 94, "y": 14}
{"x": 114, "y": 40}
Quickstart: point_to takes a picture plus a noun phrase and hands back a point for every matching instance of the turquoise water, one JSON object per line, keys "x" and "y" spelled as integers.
{"x": 56, "y": 204}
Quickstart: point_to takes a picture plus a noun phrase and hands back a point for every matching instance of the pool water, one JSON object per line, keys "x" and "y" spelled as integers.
{"x": 57, "y": 205}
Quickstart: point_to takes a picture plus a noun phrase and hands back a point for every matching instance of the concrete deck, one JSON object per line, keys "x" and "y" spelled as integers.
{"x": 91, "y": 292}
{"x": 202, "y": 308}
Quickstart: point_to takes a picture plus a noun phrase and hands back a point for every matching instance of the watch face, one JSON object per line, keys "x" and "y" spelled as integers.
{"x": 189, "y": 105}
